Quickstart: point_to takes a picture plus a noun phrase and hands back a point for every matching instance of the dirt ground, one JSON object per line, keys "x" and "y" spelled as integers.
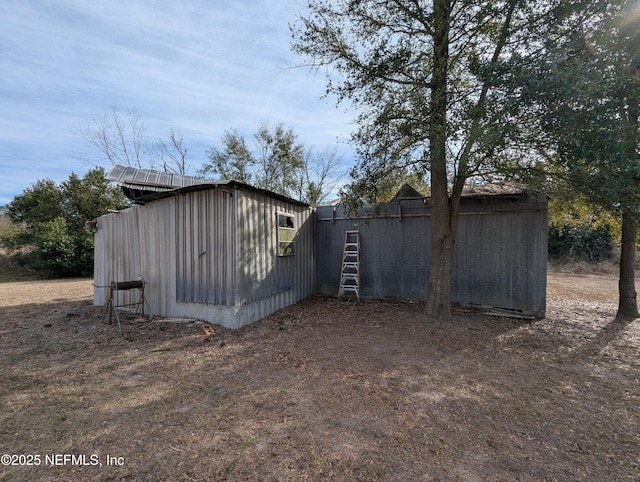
{"x": 323, "y": 390}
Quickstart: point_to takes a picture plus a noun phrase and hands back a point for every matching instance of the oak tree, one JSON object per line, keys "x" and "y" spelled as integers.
{"x": 583, "y": 90}
{"x": 421, "y": 73}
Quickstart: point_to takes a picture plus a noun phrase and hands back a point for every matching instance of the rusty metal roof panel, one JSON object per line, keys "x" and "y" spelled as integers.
{"x": 146, "y": 185}
{"x": 151, "y": 180}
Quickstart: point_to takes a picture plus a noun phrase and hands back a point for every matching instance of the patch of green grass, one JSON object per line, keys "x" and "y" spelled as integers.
{"x": 248, "y": 443}
{"x": 221, "y": 398}
{"x": 13, "y": 358}
{"x": 23, "y": 383}
{"x": 61, "y": 417}
{"x": 57, "y": 347}
{"x": 333, "y": 422}
{"x": 430, "y": 436}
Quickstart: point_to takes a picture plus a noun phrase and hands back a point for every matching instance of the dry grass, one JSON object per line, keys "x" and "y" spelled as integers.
{"x": 324, "y": 389}
{"x": 589, "y": 287}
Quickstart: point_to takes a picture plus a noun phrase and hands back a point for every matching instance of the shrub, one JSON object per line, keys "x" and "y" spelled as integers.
{"x": 581, "y": 242}
{"x": 46, "y": 231}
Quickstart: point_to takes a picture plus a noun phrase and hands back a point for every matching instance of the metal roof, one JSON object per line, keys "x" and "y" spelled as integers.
{"x": 146, "y": 185}
{"x": 151, "y": 180}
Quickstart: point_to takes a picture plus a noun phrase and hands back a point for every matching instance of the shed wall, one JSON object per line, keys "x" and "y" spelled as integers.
{"x": 209, "y": 254}
{"x": 205, "y": 233}
{"x": 137, "y": 242}
{"x": 500, "y": 255}
{"x": 266, "y": 282}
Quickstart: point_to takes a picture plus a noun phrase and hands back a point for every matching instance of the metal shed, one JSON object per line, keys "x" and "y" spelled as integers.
{"x": 224, "y": 252}
{"x": 500, "y": 254}
{"x": 231, "y": 254}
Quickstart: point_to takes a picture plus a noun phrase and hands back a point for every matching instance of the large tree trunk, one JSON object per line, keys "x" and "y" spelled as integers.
{"x": 627, "y": 306}
{"x": 438, "y": 304}
{"x": 442, "y": 227}
{"x": 445, "y": 210}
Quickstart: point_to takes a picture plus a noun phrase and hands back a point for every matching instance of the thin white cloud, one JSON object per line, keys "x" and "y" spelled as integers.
{"x": 196, "y": 66}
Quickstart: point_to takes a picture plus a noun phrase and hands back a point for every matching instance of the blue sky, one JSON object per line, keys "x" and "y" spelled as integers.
{"x": 199, "y": 67}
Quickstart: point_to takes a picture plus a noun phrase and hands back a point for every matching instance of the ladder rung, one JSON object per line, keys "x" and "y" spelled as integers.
{"x": 349, "y": 288}
{"x": 355, "y": 290}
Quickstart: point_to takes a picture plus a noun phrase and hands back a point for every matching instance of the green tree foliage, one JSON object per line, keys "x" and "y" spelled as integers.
{"x": 425, "y": 78}
{"x": 49, "y": 232}
{"x": 234, "y": 161}
{"x": 280, "y": 156}
{"x": 580, "y": 231}
{"x": 585, "y": 241}
{"x": 36, "y": 205}
{"x": 377, "y": 191}
{"x": 584, "y": 91}
{"x": 278, "y": 162}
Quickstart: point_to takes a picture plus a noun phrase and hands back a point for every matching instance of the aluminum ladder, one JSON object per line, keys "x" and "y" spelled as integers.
{"x": 350, "y": 272}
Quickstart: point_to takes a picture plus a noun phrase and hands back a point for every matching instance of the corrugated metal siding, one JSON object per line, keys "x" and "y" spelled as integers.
{"x": 158, "y": 226}
{"x": 266, "y": 282}
{"x": 259, "y": 269}
{"x": 117, "y": 255}
{"x": 393, "y": 256}
{"x": 206, "y": 228}
{"x": 500, "y": 254}
{"x": 500, "y": 260}
{"x": 137, "y": 242}
{"x": 209, "y": 254}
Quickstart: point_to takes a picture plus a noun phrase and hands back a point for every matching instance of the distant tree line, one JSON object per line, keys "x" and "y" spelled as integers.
{"x": 275, "y": 159}
{"x": 47, "y": 232}
{"x": 581, "y": 231}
